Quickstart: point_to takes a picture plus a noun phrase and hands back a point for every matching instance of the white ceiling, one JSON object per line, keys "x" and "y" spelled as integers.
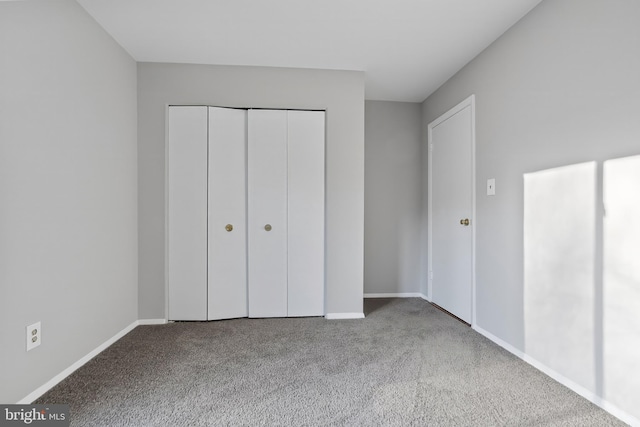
{"x": 407, "y": 48}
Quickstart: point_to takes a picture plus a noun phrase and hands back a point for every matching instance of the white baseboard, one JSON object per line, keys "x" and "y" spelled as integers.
{"x": 152, "y": 321}
{"x": 64, "y": 374}
{"x": 582, "y": 391}
{"x": 395, "y": 295}
{"x": 337, "y": 316}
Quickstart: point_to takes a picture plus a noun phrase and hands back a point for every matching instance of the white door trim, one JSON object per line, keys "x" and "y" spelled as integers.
{"x": 468, "y": 102}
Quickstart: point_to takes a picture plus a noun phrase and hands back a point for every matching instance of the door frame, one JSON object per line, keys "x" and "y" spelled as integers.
{"x": 468, "y": 102}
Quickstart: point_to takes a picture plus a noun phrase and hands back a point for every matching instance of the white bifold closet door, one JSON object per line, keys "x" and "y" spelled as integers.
{"x": 206, "y": 245}
{"x": 245, "y": 213}
{"x": 286, "y": 213}
{"x": 305, "y": 239}
{"x": 187, "y": 213}
{"x": 227, "y": 234}
{"x": 267, "y": 198}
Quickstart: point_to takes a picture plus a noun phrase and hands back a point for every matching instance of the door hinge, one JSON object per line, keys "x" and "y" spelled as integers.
{"x": 430, "y": 147}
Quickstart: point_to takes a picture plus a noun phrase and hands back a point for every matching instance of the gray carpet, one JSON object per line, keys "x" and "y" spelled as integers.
{"x": 405, "y": 364}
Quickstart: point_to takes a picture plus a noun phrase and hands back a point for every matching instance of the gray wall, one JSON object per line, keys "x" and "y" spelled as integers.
{"x": 560, "y": 88}
{"x": 68, "y": 190}
{"x": 393, "y": 197}
{"x": 341, "y": 93}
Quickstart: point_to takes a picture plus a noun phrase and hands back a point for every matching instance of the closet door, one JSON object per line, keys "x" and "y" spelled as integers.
{"x": 187, "y": 213}
{"x": 227, "y": 275}
{"x": 267, "y": 213}
{"x": 306, "y": 213}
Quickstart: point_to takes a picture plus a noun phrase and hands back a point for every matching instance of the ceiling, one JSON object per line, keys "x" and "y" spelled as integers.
{"x": 407, "y": 48}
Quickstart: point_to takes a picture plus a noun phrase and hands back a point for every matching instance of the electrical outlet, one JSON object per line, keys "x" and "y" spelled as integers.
{"x": 34, "y": 336}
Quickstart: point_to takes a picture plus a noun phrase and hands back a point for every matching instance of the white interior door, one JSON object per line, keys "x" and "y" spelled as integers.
{"x": 306, "y": 213}
{"x": 187, "y": 213}
{"x": 267, "y": 213}
{"x": 451, "y": 168}
{"x": 227, "y": 257}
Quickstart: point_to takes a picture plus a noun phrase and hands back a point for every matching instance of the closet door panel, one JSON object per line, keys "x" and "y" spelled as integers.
{"x": 306, "y": 213}
{"x": 227, "y": 273}
{"x": 267, "y": 213}
{"x": 187, "y": 213}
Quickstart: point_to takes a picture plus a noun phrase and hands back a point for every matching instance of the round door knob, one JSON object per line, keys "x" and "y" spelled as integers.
{"x": 267, "y": 227}
{"x": 228, "y": 227}
{"x": 464, "y": 222}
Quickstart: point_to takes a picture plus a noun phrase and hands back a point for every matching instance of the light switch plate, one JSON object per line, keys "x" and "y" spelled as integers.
{"x": 491, "y": 187}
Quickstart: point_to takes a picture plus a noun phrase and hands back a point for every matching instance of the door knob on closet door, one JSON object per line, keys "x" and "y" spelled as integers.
{"x": 228, "y": 227}
{"x": 464, "y": 222}
{"x": 267, "y": 227}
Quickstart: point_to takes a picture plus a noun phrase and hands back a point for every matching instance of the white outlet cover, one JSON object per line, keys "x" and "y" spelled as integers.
{"x": 34, "y": 336}
{"x": 491, "y": 187}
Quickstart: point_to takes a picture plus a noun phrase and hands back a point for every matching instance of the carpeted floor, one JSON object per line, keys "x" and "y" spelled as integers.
{"x": 405, "y": 364}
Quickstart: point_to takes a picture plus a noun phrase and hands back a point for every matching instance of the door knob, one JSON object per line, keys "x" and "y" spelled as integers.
{"x": 228, "y": 227}
{"x": 267, "y": 227}
{"x": 464, "y": 222}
